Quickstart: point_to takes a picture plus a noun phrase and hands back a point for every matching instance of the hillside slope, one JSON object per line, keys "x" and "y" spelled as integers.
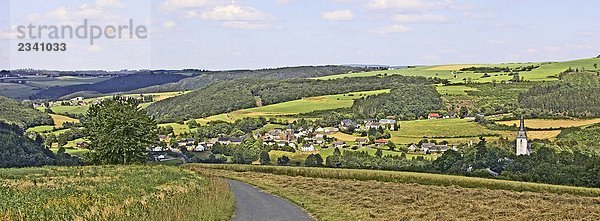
{"x": 14, "y": 112}
{"x": 227, "y": 96}
{"x": 204, "y": 79}
{"x": 118, "y": 84}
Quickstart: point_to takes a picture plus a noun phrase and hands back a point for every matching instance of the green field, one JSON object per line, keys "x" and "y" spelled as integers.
{"x": 305, "y": 105}
{"x": 454, "y": 90}
{"x": 455, "y": 131}
{"x": 63, "y": 110}
{"x": 112, "y": 193}
{"x": 547, "y": 71}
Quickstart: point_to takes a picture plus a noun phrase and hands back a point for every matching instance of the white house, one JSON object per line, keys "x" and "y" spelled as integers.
{"x": 307, "y": 148}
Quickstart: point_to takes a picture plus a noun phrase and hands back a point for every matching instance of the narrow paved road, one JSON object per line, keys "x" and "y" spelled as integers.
{"x": 252, "y": 204}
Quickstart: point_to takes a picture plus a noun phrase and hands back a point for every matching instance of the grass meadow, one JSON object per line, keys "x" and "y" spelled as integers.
{"x": 112, "y": 193}
{"x": 344, "y": 194}
{"x": 305, "y": 105}
{"x": 547, "y": 71}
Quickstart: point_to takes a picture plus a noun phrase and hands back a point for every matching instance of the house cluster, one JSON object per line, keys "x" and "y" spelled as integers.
{"x": 191, "y": 144}
{"x": 369, "y": 124}
{"x": 301, "y": 139}
{"x": 428, "y": 148}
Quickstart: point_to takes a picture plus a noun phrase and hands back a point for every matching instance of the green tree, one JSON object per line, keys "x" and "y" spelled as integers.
{"x": 283, "y": 161}
{"x": 379, "y": 153}
{"x": 192, "y": 124}
{"x": 335, "y": 160}
{"x": 265, "y": 159}
{"x": 391, "y": 145}
{"x": 310, "y": 161}
{"x": 119, "y": 132}
{"x": 595, "y": 66}
{"x": 318, "y": 160}
{"x": 50, "y": 139}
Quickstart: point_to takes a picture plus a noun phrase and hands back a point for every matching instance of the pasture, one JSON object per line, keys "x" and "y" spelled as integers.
{"x": 64, "y": 110}
{"x": 305, "y": 105}
{"x": 455, "y": 131}
{"x": 455, "y": 90}
{"x": 547, "y": 72}
{"x": 345, "y": 194}
{"x": 112, "y": 193}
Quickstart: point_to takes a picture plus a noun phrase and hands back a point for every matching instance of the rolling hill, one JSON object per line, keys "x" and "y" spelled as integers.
{"x": 118, "y": 84}
{"x": 203, "y": 79}
{"x": 228, "y": 96}
{"x": 14, "y": 112}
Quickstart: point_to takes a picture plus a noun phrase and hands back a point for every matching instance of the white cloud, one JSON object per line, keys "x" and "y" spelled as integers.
{"x": 247, "y": 25}
{"x": 110, "y": 4}
{"x": 283, "y": 2}
{"x": 170, "y": 5}
{"x": 420, "y": 18}
{"x": 169, "y": 25}
{"x": 408, "y": 4}
{"x": 497, "y": 42}
{"x": 231, "y": 13}
{"x": 390, "y": 29}
{"x": 99, "y": 11}
{"x": 6, "y": 34}
{"x": 339, "y": 15}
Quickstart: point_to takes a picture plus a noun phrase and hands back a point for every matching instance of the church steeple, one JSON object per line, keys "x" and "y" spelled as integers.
{"x": 522, "y": 127}
{"x": 522, "y": 142}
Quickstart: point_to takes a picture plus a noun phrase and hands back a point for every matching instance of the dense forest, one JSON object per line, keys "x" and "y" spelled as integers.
{"x": 205, "y": 78}
{"x": 407, "y": 101}
{"x": 17, "y": 150}
{"x": 118, "y": 84}
{"x": 20, "y": 114}
{"x": 584, "y": 139}
{"x": 574, "y": 96}
{"x": 226, "y": 96}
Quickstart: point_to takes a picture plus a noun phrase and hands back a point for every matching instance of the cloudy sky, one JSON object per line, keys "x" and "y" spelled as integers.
{"x": 216, "y": 34}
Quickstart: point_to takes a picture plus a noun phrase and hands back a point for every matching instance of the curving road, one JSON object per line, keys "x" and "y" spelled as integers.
{"x": 252, "y": 204}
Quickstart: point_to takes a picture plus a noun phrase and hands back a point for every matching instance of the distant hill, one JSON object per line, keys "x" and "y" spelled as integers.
{"x": 14, "y": 112}
{"x": 118, "y": 84}
{"x": 203, "y": 79}
{"x": 227, "y": 96}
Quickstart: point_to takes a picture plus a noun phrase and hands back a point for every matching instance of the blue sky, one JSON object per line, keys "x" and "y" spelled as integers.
{"x": 215, "y": 34}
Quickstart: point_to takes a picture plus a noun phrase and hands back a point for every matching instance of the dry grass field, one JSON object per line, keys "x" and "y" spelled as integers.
{"x": 549, "y": 124}
{"x": 330, "y": 197}
{"x": 59, "y": 120}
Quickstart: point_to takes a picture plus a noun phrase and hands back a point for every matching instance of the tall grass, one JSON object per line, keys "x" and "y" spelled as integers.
{"x": 407, "y": 177}
{"x": 112, "y": 193}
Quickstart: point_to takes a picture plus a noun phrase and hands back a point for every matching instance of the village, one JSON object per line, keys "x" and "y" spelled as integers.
{"x": 306, "y": 140}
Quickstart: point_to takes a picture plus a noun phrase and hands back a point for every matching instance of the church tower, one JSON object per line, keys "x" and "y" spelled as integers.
{"x": 522, "y": 143}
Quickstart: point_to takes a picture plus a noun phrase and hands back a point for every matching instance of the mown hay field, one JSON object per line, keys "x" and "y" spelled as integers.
{"x": 112, "y": 193}
{"x": 552, "y": 123}
{"x": 340, "y": 194}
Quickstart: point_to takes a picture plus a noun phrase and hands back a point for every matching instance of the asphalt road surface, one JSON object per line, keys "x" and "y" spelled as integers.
{"x": 252, "y": 204}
